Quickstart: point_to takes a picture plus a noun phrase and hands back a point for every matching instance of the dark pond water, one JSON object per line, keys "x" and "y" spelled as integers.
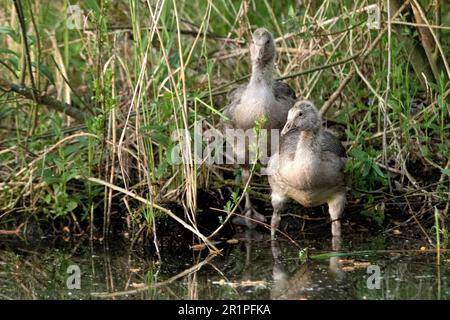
{"x": 253, "y": 267}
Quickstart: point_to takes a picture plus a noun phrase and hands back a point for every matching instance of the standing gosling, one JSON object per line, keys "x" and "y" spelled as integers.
{"x": 308, "y": 167}
{"x": 261, "y": 96}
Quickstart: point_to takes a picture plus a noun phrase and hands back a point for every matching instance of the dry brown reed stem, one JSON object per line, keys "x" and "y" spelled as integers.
{"x": 144, "y": 288}
{"x": 210, "y": 245}
{"x": 232, "y": 212}
{"x": 417, "y": 8}
{"x": 346, "y": 80}
{"x": 412, "y": 24}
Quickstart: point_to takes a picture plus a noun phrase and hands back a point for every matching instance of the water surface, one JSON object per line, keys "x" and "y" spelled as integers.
{"x": 253, "y": 267}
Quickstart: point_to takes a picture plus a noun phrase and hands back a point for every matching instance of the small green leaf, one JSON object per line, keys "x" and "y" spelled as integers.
{"x": 71, "y": 205}
{"x": 378, "y": 170}
{"x": 366, "y": 169}
{"x": 424, "y": 151}
{"x": 303, "y": 255}
{"x": 10, "y": 32}
{"x": 93, "y": 5}
{"x": 227, "y": 207}
{"x": 291, "y": 12}
{"x": 45, "y": 71}
{"x": 60, "y": 164}
{"x": 162, "y": 168}
{"x": 73, "y": 148}
{"x": 7, "y": 51}
{"x": 234, "y": 197}
{"x": 13, "y": 62}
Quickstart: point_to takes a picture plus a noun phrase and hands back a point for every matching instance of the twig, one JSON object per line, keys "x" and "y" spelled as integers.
{"x": 412, "y": 24}
{"x": 384, "y": 101}
{"x": 330, "y": 65}
{"x": 12, "y": 232}
{"x": 438, "y": 45}
{"x": 219, "y": 90}
{"x": 18, "y": 6}
{"x": 337, "y": 92}
{"x": 71, "y": 110}
{"x": 194, "y": 33}
{"x": 38, "y": 41}
{"x": 210, "y": 245}
{"x": 349, "y": 76}
{"x": 418, "y": 222}
{"x": 186, "y": 272}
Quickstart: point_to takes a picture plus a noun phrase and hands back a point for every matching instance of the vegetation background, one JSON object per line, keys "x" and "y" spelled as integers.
{"x": 88, "y": 107}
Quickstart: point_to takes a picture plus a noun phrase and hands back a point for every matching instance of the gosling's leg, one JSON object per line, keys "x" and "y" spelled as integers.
{"x": 336, "y": 207}
{"x": 334, "y": 260}
{"x": 251, "y": 215}
{"x": 278, "y": 201}
{"x": 279, "y": 272}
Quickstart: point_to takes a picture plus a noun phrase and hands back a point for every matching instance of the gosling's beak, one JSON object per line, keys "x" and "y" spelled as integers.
{"x": 287, "y": 127}
{"x": 257, "y": 51}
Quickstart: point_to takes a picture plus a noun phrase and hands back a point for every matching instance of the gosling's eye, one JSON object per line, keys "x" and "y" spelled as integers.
{"x": 300, "y": 114}
{"x": 268, "y": 41}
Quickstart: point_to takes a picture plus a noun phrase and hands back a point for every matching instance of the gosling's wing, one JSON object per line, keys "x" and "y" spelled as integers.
{"x": 285, "y": 97}
{"x": 234, "y": 98}
{"x": 282, "y": 90}
{"x": 288, "y": 144}
{"x": 335, "y": 165}
{"x": 331, "y": 143}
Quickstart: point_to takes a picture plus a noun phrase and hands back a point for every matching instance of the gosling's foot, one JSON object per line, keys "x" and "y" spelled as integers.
{"x": 250, "y": 219}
